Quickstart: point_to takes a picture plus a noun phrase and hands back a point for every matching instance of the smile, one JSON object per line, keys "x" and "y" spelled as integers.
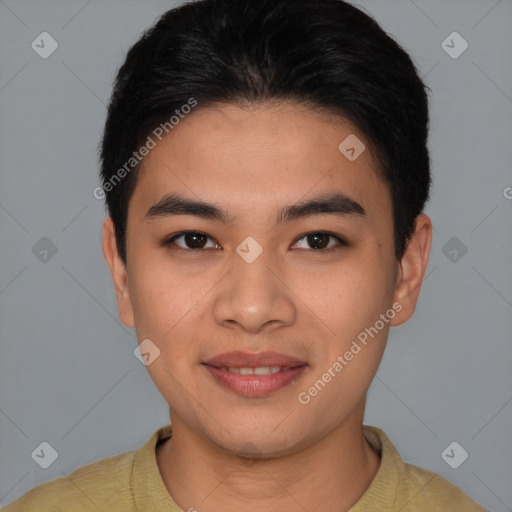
{"x": 255, "y": 381}
{"x": 260, "y": 370}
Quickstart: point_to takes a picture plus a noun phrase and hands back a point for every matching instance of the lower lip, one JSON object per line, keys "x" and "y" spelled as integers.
{"x": 255, "y": 385}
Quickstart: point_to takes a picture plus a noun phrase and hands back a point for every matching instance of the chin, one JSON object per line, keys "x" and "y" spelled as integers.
{"x": 262, "y": 440}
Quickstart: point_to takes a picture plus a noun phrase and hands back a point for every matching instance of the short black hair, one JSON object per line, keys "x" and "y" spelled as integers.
{"x": 324, "y": 53}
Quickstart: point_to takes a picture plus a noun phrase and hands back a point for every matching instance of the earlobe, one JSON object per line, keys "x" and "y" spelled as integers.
{"x": 118, "y": 272}
{"x": 412, "y": 269}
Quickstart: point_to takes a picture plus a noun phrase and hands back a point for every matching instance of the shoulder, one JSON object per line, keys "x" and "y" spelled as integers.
{"x": 103, "y": 485}
{"x": 402, "y": 486}
{"x": 421, "y": 489}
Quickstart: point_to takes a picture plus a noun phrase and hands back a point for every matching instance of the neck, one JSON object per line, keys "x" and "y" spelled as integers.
{"x": 330, "y": 474}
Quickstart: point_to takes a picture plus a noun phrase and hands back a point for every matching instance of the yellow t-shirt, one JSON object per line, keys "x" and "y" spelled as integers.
{"x": 131, "y": 482}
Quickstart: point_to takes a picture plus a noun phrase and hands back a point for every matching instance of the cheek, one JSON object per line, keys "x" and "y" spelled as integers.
{"x": 162, "y": 296}
{"x": 164, "y": 304}
{"x": 348, "y": 297}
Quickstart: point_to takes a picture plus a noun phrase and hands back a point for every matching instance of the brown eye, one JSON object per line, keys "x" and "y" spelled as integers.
{"x": 319, "y": 241}
{"x": 195, "y": 240}
{"x": 190, "y": 240}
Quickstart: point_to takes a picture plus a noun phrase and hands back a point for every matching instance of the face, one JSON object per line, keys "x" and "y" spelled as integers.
{"x": 293, "y": 254}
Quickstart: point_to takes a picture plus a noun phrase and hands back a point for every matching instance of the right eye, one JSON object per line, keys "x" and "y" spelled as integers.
{"x": 191, "y": 240}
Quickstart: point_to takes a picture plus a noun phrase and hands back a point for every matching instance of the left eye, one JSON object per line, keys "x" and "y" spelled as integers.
{"x": 320, "y": 241}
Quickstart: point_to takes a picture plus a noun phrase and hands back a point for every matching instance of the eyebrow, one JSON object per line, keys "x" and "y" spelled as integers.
{"x": 337, "y": 204}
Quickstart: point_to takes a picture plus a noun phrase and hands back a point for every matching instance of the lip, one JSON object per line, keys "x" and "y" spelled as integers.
{"x": 255, "y": 385}
{"x": 239, "y": 359}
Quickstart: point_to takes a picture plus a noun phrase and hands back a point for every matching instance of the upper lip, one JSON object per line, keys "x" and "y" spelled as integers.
{"x": 240, "y": 359}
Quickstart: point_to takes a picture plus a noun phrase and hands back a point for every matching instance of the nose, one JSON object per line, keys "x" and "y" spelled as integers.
{"x": 254, "y": 296}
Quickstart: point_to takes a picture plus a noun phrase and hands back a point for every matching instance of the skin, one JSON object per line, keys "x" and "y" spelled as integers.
{"x": 292, "y": 299}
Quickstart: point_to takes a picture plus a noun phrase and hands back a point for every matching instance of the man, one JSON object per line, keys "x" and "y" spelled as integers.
{"x": 265, "y": 167}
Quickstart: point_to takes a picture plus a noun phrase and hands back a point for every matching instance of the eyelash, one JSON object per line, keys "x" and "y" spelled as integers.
{"x": 169, "y": 242}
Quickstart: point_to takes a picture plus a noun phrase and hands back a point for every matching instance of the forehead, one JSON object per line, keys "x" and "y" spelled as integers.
{"x": 266, "y": 155}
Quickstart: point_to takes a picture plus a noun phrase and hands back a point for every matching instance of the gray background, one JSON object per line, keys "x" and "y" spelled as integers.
{"x": 68, "y": 375}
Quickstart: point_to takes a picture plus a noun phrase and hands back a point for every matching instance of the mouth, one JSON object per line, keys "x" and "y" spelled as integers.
{"x": 259, "y": 370}
{"x": 246, "y": 360}
{"x": 254, "y": 375}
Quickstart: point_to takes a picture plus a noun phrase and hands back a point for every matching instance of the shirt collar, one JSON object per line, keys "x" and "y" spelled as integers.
{"x": 381, "y": 493}
{"x": 149, "y": 491}
{"x": 151, "y": 495}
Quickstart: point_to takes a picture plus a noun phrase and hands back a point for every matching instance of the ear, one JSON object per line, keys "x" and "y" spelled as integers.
{"x": 411, "y": 270}
{"x": 119, "y": 273}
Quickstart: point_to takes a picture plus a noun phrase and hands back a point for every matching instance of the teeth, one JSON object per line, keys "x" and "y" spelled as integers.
{"x": 261, "y": 370}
